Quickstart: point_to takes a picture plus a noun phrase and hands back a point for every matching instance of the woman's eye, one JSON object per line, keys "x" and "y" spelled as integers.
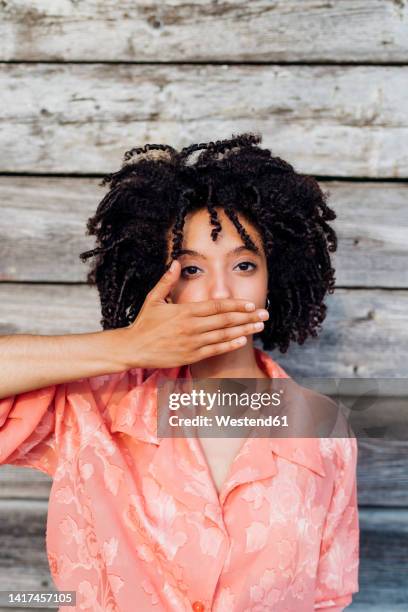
{"x": 190, "y": 271}
{"x": 246, "y": 263}
{"x": 188, "y": 268}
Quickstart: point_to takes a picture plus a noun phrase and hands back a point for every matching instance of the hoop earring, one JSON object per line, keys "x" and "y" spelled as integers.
{"x": 268, "y": 304}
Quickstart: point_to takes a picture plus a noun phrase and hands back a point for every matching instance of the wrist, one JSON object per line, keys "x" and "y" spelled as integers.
{"x": 122, "y": 349}
{"x": 112, "y": 344}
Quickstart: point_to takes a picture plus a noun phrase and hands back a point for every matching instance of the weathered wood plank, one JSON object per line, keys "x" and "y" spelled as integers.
{"x": 376, "y": 607}
{"x": 326, "y": 120}
{"x": 23, "y": 563}
{"x": 383, "y": 545}
{"x": 365, "y": 333}
{"x": 24, "y": 483}
{"x": 383, "y": 553}
{"x": 46, "y": 218}
{"x": 381, "y": 476}
{"x": 279, "y": 31}
{"x": 382, "y": 473}
{"x": 77, "y": 304}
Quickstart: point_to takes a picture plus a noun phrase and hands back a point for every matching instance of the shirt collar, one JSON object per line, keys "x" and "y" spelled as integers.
{"x": 136, "y": 415}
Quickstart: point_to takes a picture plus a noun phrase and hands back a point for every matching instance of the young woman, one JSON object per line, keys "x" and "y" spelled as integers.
{"x": 139, "y": 522}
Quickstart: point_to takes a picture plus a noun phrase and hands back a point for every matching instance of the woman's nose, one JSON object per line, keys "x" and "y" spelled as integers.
{"x": 219, "y": 288}
{"x": 220, "y": 294}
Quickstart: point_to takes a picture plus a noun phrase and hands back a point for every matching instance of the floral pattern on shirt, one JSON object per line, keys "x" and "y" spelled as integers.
{"x": 135, "y": 522}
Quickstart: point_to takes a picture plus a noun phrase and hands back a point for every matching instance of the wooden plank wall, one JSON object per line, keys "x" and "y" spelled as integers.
{"x": 326, "y": 83}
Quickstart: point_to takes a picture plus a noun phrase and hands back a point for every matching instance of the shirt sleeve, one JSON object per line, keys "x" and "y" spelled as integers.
{"x": 337, "y": 574}
{"x": 27, "y": 428}
{"x": 32, "y": 424}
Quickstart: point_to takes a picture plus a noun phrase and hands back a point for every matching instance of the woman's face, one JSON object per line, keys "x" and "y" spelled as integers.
{"x": 215, "y": 270}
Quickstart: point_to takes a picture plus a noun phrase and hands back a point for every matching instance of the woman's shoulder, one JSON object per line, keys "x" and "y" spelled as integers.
{"x": 104, "y": 386}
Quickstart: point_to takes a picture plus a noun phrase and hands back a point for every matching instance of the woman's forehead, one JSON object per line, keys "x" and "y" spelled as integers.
{"x": 197, "y": 232}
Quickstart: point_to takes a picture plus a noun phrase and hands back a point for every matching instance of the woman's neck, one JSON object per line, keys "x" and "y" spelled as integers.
{"x": 240, "y": 363}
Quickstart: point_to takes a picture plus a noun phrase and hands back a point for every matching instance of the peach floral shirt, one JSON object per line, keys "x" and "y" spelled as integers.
{"x": 135, "y": 522}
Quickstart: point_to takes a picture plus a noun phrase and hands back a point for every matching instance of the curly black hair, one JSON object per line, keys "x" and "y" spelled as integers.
{"x": 155, "y": 188}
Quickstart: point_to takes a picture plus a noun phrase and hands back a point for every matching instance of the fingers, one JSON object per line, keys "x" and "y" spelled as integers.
{"x": 214, "y": 307}
{"x": 166, "y": 283}
{"x": 226, "y": 334}
{"x": 210, "y": 350}
{"x": 227, "y": 320}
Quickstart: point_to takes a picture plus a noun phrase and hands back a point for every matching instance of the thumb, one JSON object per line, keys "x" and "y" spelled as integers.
{"x": 166, "y": 282}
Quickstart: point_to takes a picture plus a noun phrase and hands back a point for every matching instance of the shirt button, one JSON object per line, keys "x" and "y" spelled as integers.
{"x": 198, "y": 606}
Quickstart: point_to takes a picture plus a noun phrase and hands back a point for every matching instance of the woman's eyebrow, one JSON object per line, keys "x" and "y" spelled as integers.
{"x": 235, "y": 251}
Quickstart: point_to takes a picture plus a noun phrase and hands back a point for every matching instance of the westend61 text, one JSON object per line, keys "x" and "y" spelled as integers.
{"x": 228, "y": 421}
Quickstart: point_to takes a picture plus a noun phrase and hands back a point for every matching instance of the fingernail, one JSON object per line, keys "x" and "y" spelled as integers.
{"x": 173, "y": 266}
{"x": 240, "y": 340}
{"x": 249, "y": 306}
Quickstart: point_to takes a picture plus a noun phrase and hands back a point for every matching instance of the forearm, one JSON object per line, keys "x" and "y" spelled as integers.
{"x": 29, "y": 362}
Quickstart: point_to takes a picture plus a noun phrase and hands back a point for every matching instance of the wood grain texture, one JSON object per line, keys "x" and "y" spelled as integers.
{"x": 44, "y": 221}
{"x": 326, "y": 120}
{"x": 260, "y": 30}
{"x": 383, "y": 556}
{"x": 24, "y": 483}
{"x": 23, "y": 563}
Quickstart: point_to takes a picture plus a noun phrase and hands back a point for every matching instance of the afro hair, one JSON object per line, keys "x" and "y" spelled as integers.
{"x": 158, "y": 185}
